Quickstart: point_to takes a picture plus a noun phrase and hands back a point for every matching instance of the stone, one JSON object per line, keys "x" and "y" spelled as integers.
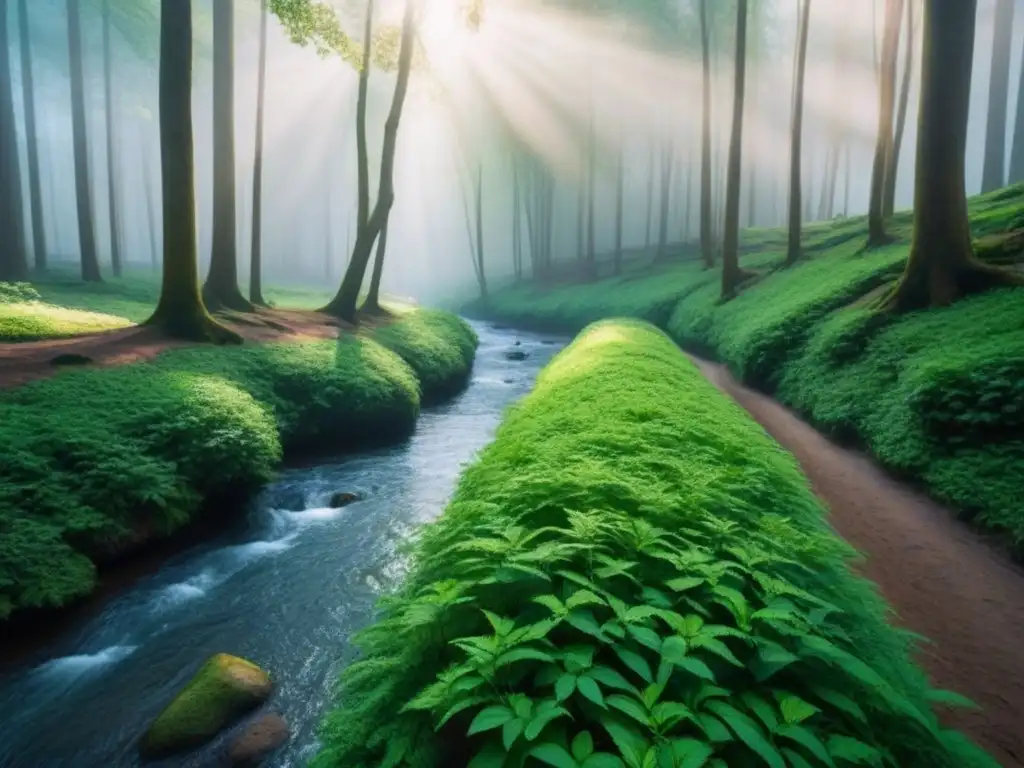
{"x": 257, "y": 740}
{"x": 224, "y": 689}
{"x": 516, "y": 354}
{"x": 343, "y": 499}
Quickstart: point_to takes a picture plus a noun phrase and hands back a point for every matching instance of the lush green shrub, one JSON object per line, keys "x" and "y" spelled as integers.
{"x": 936, "y": 395}
{"x": 634, "y": 574}
{"x": 96, "y": 459}
{"x": 24, "y": 316}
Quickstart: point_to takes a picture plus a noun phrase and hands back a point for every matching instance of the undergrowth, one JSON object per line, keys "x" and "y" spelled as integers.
{"x": 935, "y": 396}
{"x": 97, "y": 461}
{"x": 634, "y": 575}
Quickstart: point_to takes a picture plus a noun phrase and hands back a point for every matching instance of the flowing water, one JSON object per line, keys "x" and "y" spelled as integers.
{"x": 288, "y": 592}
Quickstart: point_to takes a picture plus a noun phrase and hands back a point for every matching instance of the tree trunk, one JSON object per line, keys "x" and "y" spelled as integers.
{"x": 666, "y": 196}
{"x": 256, "y": 255}
{"x": 13, "y": 261}
{"x": 481, "y": 275}
{"x": 793, "y": 248}
{"x": 941, "y": 267}
{"x": 108, "y": 100}
{"x": 83, "y": 188}
{"x": 993, "y": 174}
{"x": 31, "y": 140}
{"x": 731, "y": 273}
{"x": 752, "y": 197}
{"x": 846, "y": 183}
{"x": 889, "y": 203}
{"x": 650, "y": 200}
{"x": 362, "y": 153}
{"x": 884, "y": 142}
{"x": 372, "y": 303}
{"x": 689, "y": 198}
{"x": 1017, "y": 153}
{"x": 591, "y": 194}
{"x": 180, "y": 311}
{"x": 580, "y": 216}
{"x": 221, "y": 288}
{"x": 620, "y": 172}
{"x": 707, "y": 248}
{"x": 147, "y": 183}
{"x": 517, "y": 241}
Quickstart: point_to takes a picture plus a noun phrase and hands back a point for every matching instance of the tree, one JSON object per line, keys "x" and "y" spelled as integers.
{"x": 993, "y": 174}
{"x": 221, "y": 288}
{"x": 83, "y": 188}
{"x": 372, "y": 303}
{"x": 256, "y": 254}
{"x": 362, "y": 153}
{"x": 650, "y": 198}
{"x": 886, "y": 104}
{"x": 180, "y": 311}
{"x": 108, "y": 100}
{"x": 793, "y": 248}
{"x": 1017, "y": 153}
{"x": 620, "y": 174}
{"x": 941, "y": 267}
{"x": 892, "y": 167}
{"x": 476, "y": 240}
{"x": 666, "y": 196}
{"x": 31, "y": 140}
{"x": 732, "y": 275}
{"x": 707, "y": 247}
{"x": 13, "y": 264}
{"x": 147, "y": 183}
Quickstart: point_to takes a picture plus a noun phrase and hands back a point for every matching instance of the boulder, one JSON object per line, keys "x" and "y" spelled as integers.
{"x": 259, "y": 739}
{"x": 516, "y": 354}
{"x": 224, "y": 688}
{"x": 343, "y": 499}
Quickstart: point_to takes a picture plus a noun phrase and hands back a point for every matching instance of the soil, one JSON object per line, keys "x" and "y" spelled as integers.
{"x": 27, "y": 361}
{"x": 944, "y": 581}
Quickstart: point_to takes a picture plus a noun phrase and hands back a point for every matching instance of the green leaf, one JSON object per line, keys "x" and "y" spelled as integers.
{"x": 491, "y": 756}
{"x": 691, "y": 753}
{"x": 637, "y": 663}
{"x": 522, "y": 654}
{"x": 603, "y": 760}
{"x": 805, "y": 737}
{"x": 458, "y": 707}
{"x": 673, "y": 649}
{"x": 488, "y": 718}
{"x": 583, "y": 620}
{"x": 713, "y": 727}
{"x": 631, "y": 744}
{"x": 564, "y": 687}
{"x": 840, "y": 701}
{"x": 590, "y": 690}
{"x": 541, "y": 719}
{"x": 629, "y": 706}
{"x": 611, "y": 678}
{"x": 583, "y": 597}
{"x": 696, "y": 667}
{"x": 552, "y": 603}
{"x": 645, "y": 636}
{"x": 795, "y": 759}
{"x": 764, "y": 710}
{"x": 668, "y": 713}
{"x": 511, "y": 731}
{"x": 718, "y": 648}
{"x": 583, "y": 655}
{"x": 748, "y": 732}
{"x": 502, "y": 626}
{"x": 853, "y": 751}
{"x": 684, "y": 584}
{"x": 582, "y": 746}
{"x": 554, "y": 755}
{"x": 949, "y": 699}
{"x": 795, "y": 710}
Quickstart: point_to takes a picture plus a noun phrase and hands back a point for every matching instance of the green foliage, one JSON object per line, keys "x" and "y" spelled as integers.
{"x": 634, "y": 575}
{"x": 936, "y": 396}
{"x": 95, "y": 460}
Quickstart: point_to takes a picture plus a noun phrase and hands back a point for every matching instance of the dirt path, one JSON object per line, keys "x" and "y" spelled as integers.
{"x": 945, "y": 582}
{"x": 27, "y": 361}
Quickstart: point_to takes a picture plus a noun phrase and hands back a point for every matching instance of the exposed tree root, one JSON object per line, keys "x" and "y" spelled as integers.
{"x": 942, "y": 287}
{"x": 192, "y": 326}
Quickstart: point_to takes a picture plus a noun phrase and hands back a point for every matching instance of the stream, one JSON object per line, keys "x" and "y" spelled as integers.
{"x": 287, "y": 592}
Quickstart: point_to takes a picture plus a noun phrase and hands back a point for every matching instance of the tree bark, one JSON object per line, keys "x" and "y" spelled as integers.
{"x": 362, "y": 153}
{"x": 941, "y": 267}
{"x": 13, "y": 261}
{"x": 793, "y": 248}
{"x": 891, "y": 172}
{"x": 732, "y": 275}
{"x": 108, "y": 100}
{"x": 707, "y": 248}
{"x": 620, "y": 172}
{"x": 689, "y": 198}
{"x": 481, "y": 275}
{"x": 372, "y": 303}
{"x": 650, "y": 200}
{"x": 591, "y": 194}
{"x": 256, "y": 253}
{"x": 666, "y": 195}
{"x": 180, "y": 311}
{"x": 517, "y": 238}
{"x": 993, "y": 174}
{"x": 1017, "y": 153}
{"x": 147, "y": 183}
{"x": 221, "y": 288}
{"x": 83, "y": 187}
{"x": 884, "y": 142}
{"x": 31, "y": 140}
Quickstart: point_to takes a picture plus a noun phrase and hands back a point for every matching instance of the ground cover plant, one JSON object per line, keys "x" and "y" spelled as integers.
{"x": 97, "y": 461}
{"x": 934, "y": 395}
{"x": 634, "y": 574}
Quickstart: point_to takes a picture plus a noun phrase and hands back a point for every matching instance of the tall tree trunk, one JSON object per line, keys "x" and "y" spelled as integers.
{"x": 666, "y": 195}
{"x": 846, "y": 182}
{"x": 689, "y": 198}
{"x": 650, "y": 200}
{"x": 707, "y": 248}
{"x": 591, "y": 195}
{"x": 620, "y": 172}
{"x": 993, "y": 174}
{"x": 221, "y": 288}
{"x": 343, "y": 304}
{"x": 1017, "y": 153}
{"x": 362, "y": 153}
{"x": 372, "y": 303}
{"x": 731, "y": 273}
{"x": 256, "y": 244}
{"x": 31, "y": 140}
{"x": 517, "y": 241}
{"x": 13, "y": 261}
{"x": 891, "y": 172}
{"x": 581, "y": 203}
{"x": 180, "y": 311}
{"x": 147, "y": 183}
{"x": 108, "y": 100}
{"x": 83, "y": 188}
{"x": 752, "y": 197}
{"x": 793, "y": 247}
{"x": 482, "y": 275}
{"x": 884, "y": 142}
{"x": 941, "y": 267}
{"x": 530, "y": 204}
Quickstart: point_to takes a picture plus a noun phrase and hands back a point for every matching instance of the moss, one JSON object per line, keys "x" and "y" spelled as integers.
{"x": 934, "y": 395}
{"x": 223, "y": 689}
{"x": 621, "y": 432}
{"x": 98, "y": 460}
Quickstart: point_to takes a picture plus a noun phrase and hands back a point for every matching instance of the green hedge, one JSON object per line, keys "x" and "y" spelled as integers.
{"x": 936, "y": 396}
{"x": 97, "y": 460}
{"x": 634, "y": 574}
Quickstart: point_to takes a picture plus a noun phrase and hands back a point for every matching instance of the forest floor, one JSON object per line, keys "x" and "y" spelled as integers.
{"x": 944, "y": 581}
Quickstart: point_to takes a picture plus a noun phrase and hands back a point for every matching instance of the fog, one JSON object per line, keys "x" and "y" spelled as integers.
{"x": 529, "y": 82}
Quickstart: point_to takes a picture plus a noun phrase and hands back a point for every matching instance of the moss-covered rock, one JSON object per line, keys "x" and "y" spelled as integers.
{"x": 224, "y": 688}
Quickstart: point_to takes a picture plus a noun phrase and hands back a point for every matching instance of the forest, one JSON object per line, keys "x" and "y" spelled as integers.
{"x": 512, "y": 383}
